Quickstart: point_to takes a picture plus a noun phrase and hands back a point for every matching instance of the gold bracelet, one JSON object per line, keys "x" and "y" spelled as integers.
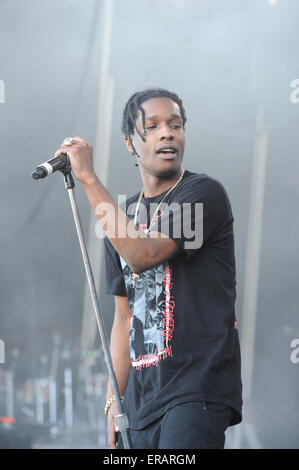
{"x": 109, "y": 403}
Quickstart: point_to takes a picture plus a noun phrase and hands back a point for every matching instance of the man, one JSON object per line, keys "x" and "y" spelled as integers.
{"x": 174, "y": 341}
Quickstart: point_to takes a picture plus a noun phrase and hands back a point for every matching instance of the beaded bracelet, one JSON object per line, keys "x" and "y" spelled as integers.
{"x": 109, "y": 403}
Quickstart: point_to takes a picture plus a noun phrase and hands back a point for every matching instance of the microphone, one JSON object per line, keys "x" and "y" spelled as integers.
{"x": 52, "y": 165}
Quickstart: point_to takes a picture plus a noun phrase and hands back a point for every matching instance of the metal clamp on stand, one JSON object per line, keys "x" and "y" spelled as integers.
{"x": 122, "y": 422}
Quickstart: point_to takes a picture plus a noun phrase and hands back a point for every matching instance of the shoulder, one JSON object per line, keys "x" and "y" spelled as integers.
{"x": 202, "y": 186}
{"x": 132, "y": 199}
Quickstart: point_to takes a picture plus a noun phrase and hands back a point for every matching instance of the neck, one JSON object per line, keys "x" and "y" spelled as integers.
{"x": 154, "y": 185}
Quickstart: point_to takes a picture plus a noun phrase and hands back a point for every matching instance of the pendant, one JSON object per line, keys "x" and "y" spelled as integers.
{"x": 135, "y": 278}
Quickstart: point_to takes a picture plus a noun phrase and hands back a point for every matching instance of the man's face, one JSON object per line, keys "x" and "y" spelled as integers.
{"x": 164, "y": 130}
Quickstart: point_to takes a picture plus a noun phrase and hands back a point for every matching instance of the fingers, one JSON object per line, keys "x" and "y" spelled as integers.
{"x": 83, "y": 142}
{"x": 111, "y": 437}
{"x": 112, "y": 428}
{"x": 78, "y": 144}
{"x": 77, "y": 141}
{"x": 80, "y": 139}
{"x": 112, "y": 444}
{"x": 80, "y": 153}
{"x": 62, "y": 149}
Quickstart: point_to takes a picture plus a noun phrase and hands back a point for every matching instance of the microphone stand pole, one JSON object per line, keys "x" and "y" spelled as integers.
{"x": 121, "y": 418}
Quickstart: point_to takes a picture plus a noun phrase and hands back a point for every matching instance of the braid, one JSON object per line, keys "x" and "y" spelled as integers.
{"x": 134, "y": 105}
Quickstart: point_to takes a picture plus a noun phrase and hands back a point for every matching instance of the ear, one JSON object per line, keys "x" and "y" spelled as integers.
{"x": 128, "y": 144}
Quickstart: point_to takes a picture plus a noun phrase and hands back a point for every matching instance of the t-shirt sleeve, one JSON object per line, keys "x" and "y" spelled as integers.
{"x": 199, "y": 214}
{"x": 115, "y": 283}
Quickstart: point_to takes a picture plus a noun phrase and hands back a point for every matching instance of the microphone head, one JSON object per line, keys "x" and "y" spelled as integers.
{"x": 38, "y": 173}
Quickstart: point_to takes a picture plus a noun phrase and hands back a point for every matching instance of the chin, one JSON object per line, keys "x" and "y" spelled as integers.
{"x": 169, "y": 170}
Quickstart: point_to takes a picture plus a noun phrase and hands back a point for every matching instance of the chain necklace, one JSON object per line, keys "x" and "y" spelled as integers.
{"x": 136, "y": 276}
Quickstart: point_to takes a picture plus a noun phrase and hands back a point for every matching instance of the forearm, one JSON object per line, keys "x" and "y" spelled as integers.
{"x": 119, "y": 348}
{"x": 133, "y": 245}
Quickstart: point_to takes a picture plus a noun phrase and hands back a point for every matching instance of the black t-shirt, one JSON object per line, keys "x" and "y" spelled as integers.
{"x": 184, "y": 343}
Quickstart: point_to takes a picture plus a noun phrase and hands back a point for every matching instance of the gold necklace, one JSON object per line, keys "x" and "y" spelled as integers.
{"x": 136, "y": 276}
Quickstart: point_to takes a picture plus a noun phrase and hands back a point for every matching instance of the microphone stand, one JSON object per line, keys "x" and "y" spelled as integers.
{"x": 121, "y": 418}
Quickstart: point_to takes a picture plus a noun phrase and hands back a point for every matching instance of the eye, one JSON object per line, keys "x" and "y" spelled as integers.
{"x": 150, "y": 127}
{"x": 176, "y": 126}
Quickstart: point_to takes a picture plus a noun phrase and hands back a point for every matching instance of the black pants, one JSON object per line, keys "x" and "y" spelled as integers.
{"x": 193, "y": 425}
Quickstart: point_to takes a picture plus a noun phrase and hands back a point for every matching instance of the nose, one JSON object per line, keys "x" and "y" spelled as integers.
{"x": 166, "y": 133}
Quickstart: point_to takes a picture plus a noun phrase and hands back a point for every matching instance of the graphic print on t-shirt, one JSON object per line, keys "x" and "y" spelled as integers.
{"x": 152, "y": 306}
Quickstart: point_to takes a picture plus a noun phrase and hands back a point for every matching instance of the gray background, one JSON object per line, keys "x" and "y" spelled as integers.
{"x": 229, "y": 61}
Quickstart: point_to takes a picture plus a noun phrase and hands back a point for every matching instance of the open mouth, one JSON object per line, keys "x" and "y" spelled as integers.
{"x": 167, "y": 152}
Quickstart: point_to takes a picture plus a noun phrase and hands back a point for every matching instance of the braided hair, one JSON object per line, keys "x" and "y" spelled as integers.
{"x": 134, "y": 105}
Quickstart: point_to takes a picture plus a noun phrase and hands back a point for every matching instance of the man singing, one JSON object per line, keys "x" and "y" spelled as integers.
{"x": 170, "y": 265}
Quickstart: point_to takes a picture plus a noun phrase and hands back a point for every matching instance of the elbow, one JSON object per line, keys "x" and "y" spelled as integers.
{"x": 144, "y": 257}
{"x": 137, "y": 267}
{"x": 142, "y": 263}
